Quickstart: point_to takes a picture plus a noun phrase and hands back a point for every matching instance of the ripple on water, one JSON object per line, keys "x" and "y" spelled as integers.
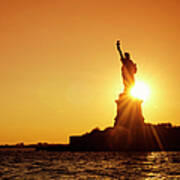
{"x": 82, "y": 165}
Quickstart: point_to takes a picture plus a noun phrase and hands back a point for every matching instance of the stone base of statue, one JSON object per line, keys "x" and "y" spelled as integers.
{"x": 129, "y": 125}
{"x": 129, "y": 113}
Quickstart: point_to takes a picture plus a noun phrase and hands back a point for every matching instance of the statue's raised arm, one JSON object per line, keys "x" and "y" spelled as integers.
{"x": 119, "y": 49}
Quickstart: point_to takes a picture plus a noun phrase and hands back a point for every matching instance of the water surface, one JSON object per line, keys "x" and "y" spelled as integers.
{"x": 42, "y": 165}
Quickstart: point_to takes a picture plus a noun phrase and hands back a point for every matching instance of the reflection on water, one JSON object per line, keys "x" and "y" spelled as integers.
{"x": 165, "y": 165}
{"x": 91, "y": 165}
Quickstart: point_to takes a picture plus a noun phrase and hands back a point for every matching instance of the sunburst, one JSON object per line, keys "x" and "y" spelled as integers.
{"x": 140, "y": 91}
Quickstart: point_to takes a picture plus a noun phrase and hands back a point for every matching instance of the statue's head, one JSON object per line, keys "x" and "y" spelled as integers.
{"x": 127, "y": 55}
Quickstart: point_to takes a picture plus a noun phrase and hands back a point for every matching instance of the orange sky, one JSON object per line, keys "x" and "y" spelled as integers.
{"x": 60, "y": 71}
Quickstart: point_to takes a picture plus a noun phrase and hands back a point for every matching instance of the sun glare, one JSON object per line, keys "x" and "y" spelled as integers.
{"x": 140, "y": 91}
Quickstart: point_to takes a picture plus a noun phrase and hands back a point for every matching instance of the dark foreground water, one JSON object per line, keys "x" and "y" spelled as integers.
{"x": 89, "y": 165}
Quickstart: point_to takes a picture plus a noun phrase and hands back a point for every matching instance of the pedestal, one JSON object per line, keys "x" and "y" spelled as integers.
{"x": 129, "y": 113}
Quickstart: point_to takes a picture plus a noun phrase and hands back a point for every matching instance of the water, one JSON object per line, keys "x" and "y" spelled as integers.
{"x": 88, "y": 165}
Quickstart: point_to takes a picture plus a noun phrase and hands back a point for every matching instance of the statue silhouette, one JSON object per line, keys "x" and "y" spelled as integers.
{"x": 129, "y": 114}
{"x": 128, "y": 69}
{"x": 129, "y": 133}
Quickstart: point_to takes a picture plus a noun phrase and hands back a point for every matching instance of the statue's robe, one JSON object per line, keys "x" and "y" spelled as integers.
{"x": 128, "y": 71}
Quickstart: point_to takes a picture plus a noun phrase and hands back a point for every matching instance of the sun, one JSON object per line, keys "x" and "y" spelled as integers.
{"x": 140, "y": 91}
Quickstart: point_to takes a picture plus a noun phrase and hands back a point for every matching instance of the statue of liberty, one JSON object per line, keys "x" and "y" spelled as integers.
{"x": 128, "y": 70}
{"x": 129, "y": 114}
